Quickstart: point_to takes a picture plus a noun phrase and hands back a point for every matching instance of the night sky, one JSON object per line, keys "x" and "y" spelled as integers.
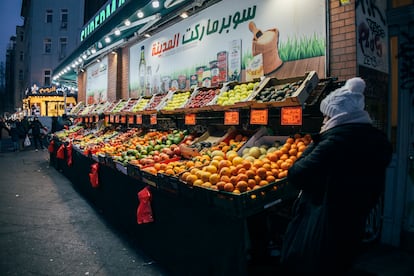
{"x": 9, "y": 19}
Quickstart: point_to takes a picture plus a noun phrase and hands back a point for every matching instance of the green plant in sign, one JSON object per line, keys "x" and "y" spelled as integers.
{"x": 302, "y": 48}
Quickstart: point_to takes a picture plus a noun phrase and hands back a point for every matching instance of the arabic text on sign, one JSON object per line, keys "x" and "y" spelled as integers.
{"x": 259, "y": 117}
{"x": 291, "y": 116}
{"x": 231, "y": 118}
{"x": 190, "y": 119}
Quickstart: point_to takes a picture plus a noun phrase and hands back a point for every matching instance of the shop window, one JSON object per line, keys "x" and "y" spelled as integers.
{"x": 63, "y": 43}
{"x": 47, "y": 45}
{"x": 21, "y": 35}
{"x": 49, "y": 16}
{"x": 64, "y": 19}
{"x": 47, "y": 77}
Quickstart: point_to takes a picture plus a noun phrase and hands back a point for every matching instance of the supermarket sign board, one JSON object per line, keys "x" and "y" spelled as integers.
{"x": 229, "y": 40}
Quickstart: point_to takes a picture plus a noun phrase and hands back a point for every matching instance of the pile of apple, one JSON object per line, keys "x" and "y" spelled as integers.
{"x": 141, "y": 104}
{"x": 202, "y": 98}
{"x": 155, "y": 101}
{"x": 177, "y": 100}
{"x": 239, "y": 93}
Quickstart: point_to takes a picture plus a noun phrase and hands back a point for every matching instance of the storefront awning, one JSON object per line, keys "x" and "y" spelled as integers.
{"x": 94, "y": 45}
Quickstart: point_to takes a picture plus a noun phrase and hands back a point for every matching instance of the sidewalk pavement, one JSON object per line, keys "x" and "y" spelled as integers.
{"x": 47, "y": 228}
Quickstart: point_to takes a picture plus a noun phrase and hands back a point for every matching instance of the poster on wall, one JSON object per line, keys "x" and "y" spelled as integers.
{"x": 372, "y": 34}
{"x": 233, "y": 40}
{"x": 97, "y": 82}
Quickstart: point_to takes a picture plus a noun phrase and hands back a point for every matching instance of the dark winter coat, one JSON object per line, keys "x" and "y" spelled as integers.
{"x": 36, "y": 126}
{"x": 349, "y": 161}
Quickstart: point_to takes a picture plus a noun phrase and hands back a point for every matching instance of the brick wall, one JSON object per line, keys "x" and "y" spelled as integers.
{"x": 82, "y": 87}
{"x": 342, "y": 41}
{"x": 124, "y": 67}
{"x": 112, "y": 76}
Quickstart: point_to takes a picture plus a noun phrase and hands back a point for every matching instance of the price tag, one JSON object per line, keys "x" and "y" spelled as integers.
{"x": 116, "y": 119}
{"x": 291, "y": 116}
{"x": 131, "y": 120}
{"x": 86, "y": 120}
{"x": 138, "y": 119}
{"x": 123, "y": 119}
{"x": 111, "y": 118}
{"x": 259, "y": 116}
{"x": 91, "y": 119}
{"x": 190, "y": 119}
{"x": 231, "y": 118}
{"x": 153, "y": 119}
{"x": 106, "y": 119}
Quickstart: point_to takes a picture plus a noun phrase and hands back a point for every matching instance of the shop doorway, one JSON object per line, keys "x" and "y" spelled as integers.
{"x": 54, "y": 108}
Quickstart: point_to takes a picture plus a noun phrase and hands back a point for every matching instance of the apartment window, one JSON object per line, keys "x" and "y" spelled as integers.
{"x": 20, "y": 75}
{"x": 63, "y": 43}
{"x": 47, "y": 45}
{"x": 64, "y": 19}
{"x": 47, "y": 77}
{"x": 21, "y": 36}
{"x": 21, "y": 56}
{"x": 49, "y": 16}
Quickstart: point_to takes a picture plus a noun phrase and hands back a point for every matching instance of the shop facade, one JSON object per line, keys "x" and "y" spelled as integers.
{"x": 243, "y": 40}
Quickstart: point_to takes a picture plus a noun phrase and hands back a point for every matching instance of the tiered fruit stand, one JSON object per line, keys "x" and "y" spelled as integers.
{"x": 201, "y": 227}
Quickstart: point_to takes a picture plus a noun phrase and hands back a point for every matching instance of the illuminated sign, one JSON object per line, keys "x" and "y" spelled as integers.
{"x": 101, "y": 16}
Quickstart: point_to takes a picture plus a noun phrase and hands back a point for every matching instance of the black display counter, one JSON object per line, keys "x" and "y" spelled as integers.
{"x": 186, "y": 237}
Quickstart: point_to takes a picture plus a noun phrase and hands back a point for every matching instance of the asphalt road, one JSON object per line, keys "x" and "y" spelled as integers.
{"x": 47, "y": 228}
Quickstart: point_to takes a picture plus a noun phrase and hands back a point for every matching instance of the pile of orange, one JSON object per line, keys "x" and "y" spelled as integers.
{"x": 231, "y": 173}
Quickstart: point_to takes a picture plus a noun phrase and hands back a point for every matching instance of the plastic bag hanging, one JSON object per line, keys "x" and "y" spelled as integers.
{"x": 69, "y": 155}
{"x": 51, "y": 147}
{"x": 144, "y": 210}
{"x": 93, "y": 175}
{"x": 27, "y": 142}
{"x": 61, "y": 152}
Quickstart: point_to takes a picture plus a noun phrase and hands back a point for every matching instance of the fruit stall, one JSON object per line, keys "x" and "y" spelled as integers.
{"x": 213, "y": 172}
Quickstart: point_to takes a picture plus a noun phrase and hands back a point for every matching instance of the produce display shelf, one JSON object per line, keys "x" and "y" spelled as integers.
{"x": 254, "y": 201}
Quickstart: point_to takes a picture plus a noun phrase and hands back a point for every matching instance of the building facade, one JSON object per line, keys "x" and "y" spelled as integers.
{"x": 50, "y": 33}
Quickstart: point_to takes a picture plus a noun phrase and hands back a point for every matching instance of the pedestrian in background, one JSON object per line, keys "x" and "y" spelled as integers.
{"x": 14, "y": 133}
{"x": 36, "y": 127}
{"x": 341, "y": 177}
{"x": 3, "y": 127}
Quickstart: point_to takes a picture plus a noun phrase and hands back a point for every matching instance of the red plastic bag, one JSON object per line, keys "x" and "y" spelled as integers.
{"x": 61, "y": 152}
{"x": 51, "y": 147}
{"x": 144, "y": 210}
{"x": 93, "y": 175}
{"x": 69, "y": 155}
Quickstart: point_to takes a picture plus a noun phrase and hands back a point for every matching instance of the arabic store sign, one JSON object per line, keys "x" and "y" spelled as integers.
{"x": 101, "y": 16}
{"x": 218, "y": 44}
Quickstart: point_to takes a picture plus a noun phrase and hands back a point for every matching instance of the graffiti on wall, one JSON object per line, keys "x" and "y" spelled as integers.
{"x": 372, "y": 34}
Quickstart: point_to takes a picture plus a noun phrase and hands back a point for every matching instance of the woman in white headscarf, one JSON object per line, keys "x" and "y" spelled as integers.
{"x": 343, "y": 169}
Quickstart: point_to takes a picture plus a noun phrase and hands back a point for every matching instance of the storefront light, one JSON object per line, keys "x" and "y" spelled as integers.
{"x": 155, "y": 4}
{"x": 127, "y": 22}
{"x": 140, "y": 14}
{"x": 184, "y": 15}
{"x": 117, "y": 32}
{"x": 93, "y": 50}
{"x": 80, "y": 59}
{"x": 107, "y": 39}
{"x": 147, "y": 35}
